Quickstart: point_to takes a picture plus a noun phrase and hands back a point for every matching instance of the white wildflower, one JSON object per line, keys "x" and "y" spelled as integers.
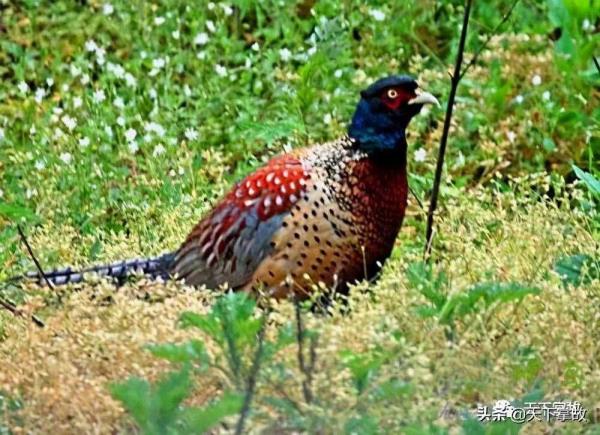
{"x": 220, "y": 70}
{"x": 511, "y": 136}
{"x": 201, "y": 55}
{"x": 159, "y": 20}
{"x": 2, "y": 135}
{"x": 536, "y": 80}
{"x": 119, "y": 103}
{"x": 158, "y": 150}
{"x": 133, "y": 147}
{"x": 546, "y": 96}
{"x": 158, "y": 63}
{"x": 77, "y": 102}
{"x": 187, "y": 91}
{"x": 338, "y": 73}
{"x": 99, "y": 96}
{"x": 107, "y": 9}
{"x": 227, "y": 9}
{"x": 40, "y": 93}
{"x": 519, "y": 99}
{"x": 69, "y": 122}
{"x": 285, "y": 54}
{"x": 84, "y": 142}
{"x": 31, "y": 193}
{"x": 32, "y": 130}
{"x": 311, "y": 51}
{"x": 108, "y": 130}
{"x": 130, "y": 80}
{"x": 85, "y": 79}
{"x": 153, "y": 94}
{"x": 90, "y": 45}
{"x": 210, "y": 6}
{"x": 377, "y": 14}
{"x": 130, "y": 135}
{"x": 156, "y": 128}
{"x": 121, "y": 121}
{"x": 211, "y": 26}
{"x": 420, "y": 155}
{"x": 66, "y": 158}
{"x": 586, "y": 25}
{"x": 65, "y": 87}
{"x": 201, "y": 38}
{"x": 191, "y": 134}
{"x": 327, "y": 118}
{"x": 23, "y": 87}
{"x": 40, "y": 165}
{"x": 175, "y": 34}
{"x": 74, "y": 70}
{"x": 287, "y": 147}
{"x": 49, "y": 82}
{"x": 255, "y": 46}
{"x": 117, "y": 70}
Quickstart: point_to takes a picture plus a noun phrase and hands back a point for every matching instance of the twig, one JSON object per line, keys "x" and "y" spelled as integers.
{"x": 9, "y": 306}
{"x": 252, "y": 377}
{"x": 597, "y": 64}
{"x": 488, "y": 38}
{"x": 33, "y": 257}
{"x": 306, "y": 370}
{"x": 417, "y": 198}
{"x": 442, "y": 151}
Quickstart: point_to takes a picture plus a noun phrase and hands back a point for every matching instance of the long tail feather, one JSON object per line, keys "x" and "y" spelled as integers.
{"x": 157, "y": 267}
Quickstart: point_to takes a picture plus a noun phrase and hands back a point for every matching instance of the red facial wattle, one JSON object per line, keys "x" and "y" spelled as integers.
{"x": 397, "y": 98}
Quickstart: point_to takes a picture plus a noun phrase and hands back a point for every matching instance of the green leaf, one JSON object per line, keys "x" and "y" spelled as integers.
{"x": 590, "y": 181}
{"x": 571, "y": 269}
{"x": 192, "y": 351}
{"x": 549, "y": 144}
{"x": 134, "y": 394}
{"x": 200, "y": 420}
{"x": 15, "y": 212}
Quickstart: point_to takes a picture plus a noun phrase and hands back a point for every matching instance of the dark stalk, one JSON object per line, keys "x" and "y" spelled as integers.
{"x": 455, "y": 80}
{"x": 252, "y": 377}
{"x": 33, "y": 257}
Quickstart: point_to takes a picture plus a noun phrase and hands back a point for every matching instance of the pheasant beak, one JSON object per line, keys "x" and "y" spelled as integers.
{"x": 424, "y": 98}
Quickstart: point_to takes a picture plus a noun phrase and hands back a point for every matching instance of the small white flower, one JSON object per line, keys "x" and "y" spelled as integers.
{"x": 40, "y": 165}
{"x": 586, "y": 25}
{"x": 130, "y": 135}
{"x": 69, "y": 122}
{"x": 23, "y": 87}
{"x": 85, "y": 79}
{"x": 211, "y": 26}
{"x": 121, "y": 121}
{"x": 327, "y": 118}
{"x": 99, "y": 96}
{"x": 153, "y": 94}
{"x": 116, "y": 69}
{"x": 247, "y": 63}
{"x": 285, "y": 54}
{"x": 32, "y": 130}
{"x": 108, "y": 130}
{"x": 2, "y": 136}
{"x": 119, "y": 103}
{"x": 65, "y": 87}
{"x": 511, "y": 136}
{"x": 158, "y": 63}
{"x": 90, "y": 45}
{"x": 519, "y": 99}
{"x": 172, "y": 173}
{"x": 191, "y": 134}
{"x": 311, "y": 51}
{"x": 201, "y": 55}
{"x": 181, "y": 171}
{"x": 420, "y": 155}
{"x": 546, "y": 96}
{"x": 210, "y": 6}
{"x": 133, "y": 147}
{"x": 66, "y": 158}
{"x": 175, "y": 34}
{"x": 187, "y": 91}
{"x": 201, "y": 38}
{"x": 338, "y": 73}
{"x": 49, "y": 82}
{"x": 377, "y": 14}
{"x": 84, "y": 142}
{"x": 159, "y": 20}
{"x": 156, "y": 128}
{"x": 77, "y": 102}
{"x": 227, "y": 10}
{"x": 158, "y": 150}
{"x": 31, "y": 193}
{"x": 107, "y": 9}
{"x": 130, "y": 80}
{"x": 58, "y": 133}
{"x": 536, "y": 80}
{"x": 220, "y": 70}
{"x": 75, "y": 71}
{"x": 40, "y": 93}
{"x": 255, "y": 46}
{"x": 1, "y": 193}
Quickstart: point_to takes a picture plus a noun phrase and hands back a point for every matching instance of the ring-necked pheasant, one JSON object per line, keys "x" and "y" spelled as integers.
{"x": 328, "y": 213}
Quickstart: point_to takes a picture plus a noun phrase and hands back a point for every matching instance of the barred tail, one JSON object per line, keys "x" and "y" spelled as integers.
{"x": 157, "y": 267}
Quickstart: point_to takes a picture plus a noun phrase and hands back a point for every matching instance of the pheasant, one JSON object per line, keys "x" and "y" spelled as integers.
{"x": 328, "y": 213}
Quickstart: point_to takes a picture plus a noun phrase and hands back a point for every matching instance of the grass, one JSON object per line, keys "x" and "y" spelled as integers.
{"x": 119, "y": 130}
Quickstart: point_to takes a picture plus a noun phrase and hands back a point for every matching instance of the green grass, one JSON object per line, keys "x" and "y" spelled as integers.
{"x": 213, "y": 91}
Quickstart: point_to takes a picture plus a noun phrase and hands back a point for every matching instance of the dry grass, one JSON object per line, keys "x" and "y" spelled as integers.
{"x": 95, "y": 334}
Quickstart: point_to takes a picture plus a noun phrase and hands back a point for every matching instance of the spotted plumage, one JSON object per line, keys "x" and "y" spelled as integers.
{"x": 324, "y": 214}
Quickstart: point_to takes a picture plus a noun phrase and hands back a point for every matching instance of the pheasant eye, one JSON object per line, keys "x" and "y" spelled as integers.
{"x": 392, "y": 93}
